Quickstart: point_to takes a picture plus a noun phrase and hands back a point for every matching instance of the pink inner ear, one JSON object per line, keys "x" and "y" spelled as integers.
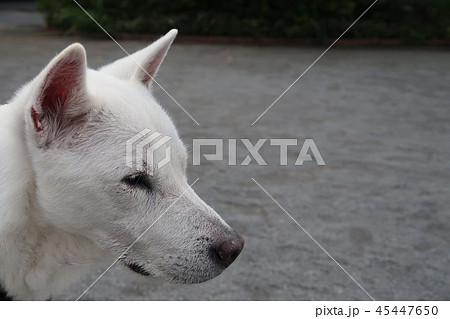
{"x": 36, "y": 120}
{"x": 152, "y": 66}
{"x": 60, "y": 84}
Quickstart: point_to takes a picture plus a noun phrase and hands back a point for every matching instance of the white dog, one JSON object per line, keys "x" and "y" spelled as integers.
{"x": 69, "y": 202}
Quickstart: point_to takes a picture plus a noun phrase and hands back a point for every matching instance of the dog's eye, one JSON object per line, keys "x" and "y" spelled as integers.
{"x": 140, "y": 180}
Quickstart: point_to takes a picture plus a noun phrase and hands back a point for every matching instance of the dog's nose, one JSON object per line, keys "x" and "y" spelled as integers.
{"x": 227, "y": 251}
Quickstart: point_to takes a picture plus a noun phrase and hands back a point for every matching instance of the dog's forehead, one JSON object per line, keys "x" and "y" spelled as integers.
{"x": 131, "y": 102}
{"x": 131, "y": 110}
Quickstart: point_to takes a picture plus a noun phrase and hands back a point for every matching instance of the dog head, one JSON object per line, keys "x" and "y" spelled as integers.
{"x": 79, "y": 123}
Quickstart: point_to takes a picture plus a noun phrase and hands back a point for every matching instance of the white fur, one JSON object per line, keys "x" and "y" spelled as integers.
{"x": 63, "y": 207}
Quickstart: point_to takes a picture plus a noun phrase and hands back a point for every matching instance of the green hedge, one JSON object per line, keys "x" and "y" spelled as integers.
{"x": 407, "y": 20}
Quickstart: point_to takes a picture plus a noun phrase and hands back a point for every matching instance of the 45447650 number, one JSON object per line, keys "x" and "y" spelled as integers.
{"x": 408, "y": 310}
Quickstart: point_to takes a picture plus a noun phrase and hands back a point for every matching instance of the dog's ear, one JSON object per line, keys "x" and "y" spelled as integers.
{"x": 143, "y": 65}
{"x": 60, "y": 91}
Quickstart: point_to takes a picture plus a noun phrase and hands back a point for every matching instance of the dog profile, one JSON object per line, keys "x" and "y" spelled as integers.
{"x": 69, "y": 202}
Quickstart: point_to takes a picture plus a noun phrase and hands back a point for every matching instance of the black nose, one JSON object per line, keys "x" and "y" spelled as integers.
{"x": 227, "y": 250}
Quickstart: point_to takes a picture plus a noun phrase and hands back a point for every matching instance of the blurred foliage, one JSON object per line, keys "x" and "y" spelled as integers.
{"x": 407, "y": 20}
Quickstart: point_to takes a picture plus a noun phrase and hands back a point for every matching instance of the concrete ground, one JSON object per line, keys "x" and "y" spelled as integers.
{"x": 380, "y": 206}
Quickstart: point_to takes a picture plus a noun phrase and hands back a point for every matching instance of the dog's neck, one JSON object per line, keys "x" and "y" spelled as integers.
{"x": 36, "y": 259}
{"x": 40, "y": 261}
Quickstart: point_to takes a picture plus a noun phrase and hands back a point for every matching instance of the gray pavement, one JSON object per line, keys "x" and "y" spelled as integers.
{"x": 20, "y": 16}
{"x": 381, "y": 120}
